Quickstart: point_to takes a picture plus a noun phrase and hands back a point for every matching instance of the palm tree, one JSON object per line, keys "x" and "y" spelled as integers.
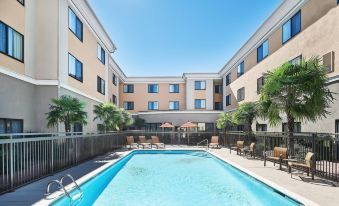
{"x": 246, "y": 113}
{"x": 125, "y": 119}
{"x": 298, "y": 91}
{"x": 139, "y": 123}
{"x": 225, "y": 119}
{"x": 109, "y": 114}
{"x": 67, "y": 110}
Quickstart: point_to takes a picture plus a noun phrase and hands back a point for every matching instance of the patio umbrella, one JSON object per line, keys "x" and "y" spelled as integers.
{"x": 188, "y": 125}
{"x": 166, "y": 125}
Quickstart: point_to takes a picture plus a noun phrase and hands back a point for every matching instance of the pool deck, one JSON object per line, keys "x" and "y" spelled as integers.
{"x": 319, "y": 191}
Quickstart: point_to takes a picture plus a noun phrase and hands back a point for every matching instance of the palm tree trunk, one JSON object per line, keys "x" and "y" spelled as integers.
{"x": 290, "y": 125}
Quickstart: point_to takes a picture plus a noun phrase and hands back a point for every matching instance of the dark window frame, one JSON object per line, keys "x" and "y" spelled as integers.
{"x": 114, "y": 79}
{"x": 6, "y": 53}
{"x": 128, "y": 86}
{"x": 114, "y": 99}
{"x": 9, "y": 121}
{"x": 148, "y": 105}
{"x": 195, "y": 104}
{"x": 220, "y": 106}
{"x": 228, "y": 100}
{"x": 195, "y": 85}
{"x": 153, "y": 92}
{"x": 169, "y": 103}
{"x": 82, "y": 26}
{"x": 174, "y": 89}
{"x": 260, "y": 50}
{"x": 102, "y": 58}
{"x": 99, "y": 86}
{"x": 22, "y": 3}
{"x": 228, "y": 79}
{"x": 239, "y": 94}
{"x": 291, "y": 26}
{"x": 219, "y": 89}
{"x": 127, "y": 103}
{"x": 242, "y": 69}
{"x": 82, "y": 69}
{"x": 260, "y": 86}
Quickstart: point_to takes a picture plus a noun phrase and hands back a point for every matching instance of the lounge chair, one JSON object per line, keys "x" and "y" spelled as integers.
{"x": 279, "y": 155}
{"x": 250, "y": 150}
{"x": 143, "y": 142}
{"x": 240, "y": 147}
{"x": 214, "y": 142}
{"x": 130, "y": 142}
{"x": 306, "y": 165}
{"x": 156, "y": 142}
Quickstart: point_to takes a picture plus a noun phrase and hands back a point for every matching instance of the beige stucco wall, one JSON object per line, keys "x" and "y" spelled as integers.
{"x": 12, "y": 13}
{"x": 140, "y": 97}
{"x": 86, "y": 52}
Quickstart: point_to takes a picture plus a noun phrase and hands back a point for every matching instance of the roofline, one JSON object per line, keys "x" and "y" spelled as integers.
{"x": 280, "y": 14}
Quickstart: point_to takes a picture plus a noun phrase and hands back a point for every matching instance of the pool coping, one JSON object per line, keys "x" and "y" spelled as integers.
{"x": 59, "y": 194}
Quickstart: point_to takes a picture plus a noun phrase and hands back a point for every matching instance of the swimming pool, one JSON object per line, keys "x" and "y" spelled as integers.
{"x": 176, "y": 177}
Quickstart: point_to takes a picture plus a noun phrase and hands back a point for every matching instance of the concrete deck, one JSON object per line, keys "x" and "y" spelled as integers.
{"x": 319, "y": 191}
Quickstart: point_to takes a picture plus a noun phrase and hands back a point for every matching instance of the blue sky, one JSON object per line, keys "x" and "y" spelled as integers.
{"x": 169, "y": 37}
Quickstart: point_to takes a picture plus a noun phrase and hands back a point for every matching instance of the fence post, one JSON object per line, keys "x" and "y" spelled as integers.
{"x": 52, "y": 157}
{"x": 314, "y": 136}
{"x": 11, "y": 162}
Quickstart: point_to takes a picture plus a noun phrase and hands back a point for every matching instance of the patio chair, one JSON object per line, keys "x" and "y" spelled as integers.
{"x": 130, "y": 142}
{"x": 240, "y": 147}
{"x": 143, "y": 142}
{"x": 156, "y": 142}
{"x": 306, "y": 165}
{"x": 214, "y": 142}
{"x": 279, "y": 155}
{"x": 250, "y": 150}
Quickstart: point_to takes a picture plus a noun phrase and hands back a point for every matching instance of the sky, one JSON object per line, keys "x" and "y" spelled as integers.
{"x": 172, "y": 37}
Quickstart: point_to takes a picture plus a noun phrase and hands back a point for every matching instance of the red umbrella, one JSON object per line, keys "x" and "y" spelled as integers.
{"x": 166, "y": 125}
{"x": 188, "y": 125}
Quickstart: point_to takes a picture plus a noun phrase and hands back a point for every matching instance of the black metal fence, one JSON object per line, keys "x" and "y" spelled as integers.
{"x": 23, "y": 160}
{"x": 324, "y": 146}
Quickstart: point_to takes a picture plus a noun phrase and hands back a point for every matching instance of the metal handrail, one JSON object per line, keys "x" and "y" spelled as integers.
{"x": 70, "y": 177}
{"x": 60, "y": 187}
{"x": 205, "y": 140}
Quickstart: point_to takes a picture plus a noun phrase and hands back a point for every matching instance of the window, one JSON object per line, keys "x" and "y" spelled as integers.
{"x": 11, "y": 42}
{"x": 291, "y": 28}
{"x": 241, "y": 94}
{"x": 241, "y": 69}
{"x": 114, "y": 79}
{"x": 228, "y": 79}
{"x": 153, "y": 105}
{"x": 201, "y": 126}
{"x": 101, "y": 54}
{"x": 328, "y": 61}
{"x": 261, "y": 127}
{"x": 153, "y": 88}
{"x": 218, "y": 89}
{"x": 297, "y": 127}
{"x": 22, "y": 2}
{"x": 228, "y": 100}
{"x": 217, "y": 105}
{"x": 74, "y": 68}
{"x": 296, "y": 60}
{"x": 174, "y": 88}
{"x": 262, "y": 51}
{"x": 114, "y": 99}
{"x": 74, "y": 24}
{"x": 11, "y": 125}
{"x": 100, "y": 85}
{"x": 173, "y": 105}
{"x": 260, "y": 84}
{"x": 77, "y": 127}
{"x": 200, "y": 85}
{"x": 129, "y": 105}
{"x": 200, "y": 103}
{"x": 128, "y": 88}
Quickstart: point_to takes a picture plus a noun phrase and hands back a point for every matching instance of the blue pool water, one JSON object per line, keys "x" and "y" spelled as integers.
{"x": 176, "y": 178}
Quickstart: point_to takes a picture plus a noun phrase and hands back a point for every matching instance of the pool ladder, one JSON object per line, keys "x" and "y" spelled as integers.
{"x": 205, "y": 140}
{"x": 73, "y": 200}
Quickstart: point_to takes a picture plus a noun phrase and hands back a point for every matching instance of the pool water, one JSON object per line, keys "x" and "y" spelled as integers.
{"x": 176, "y": 178}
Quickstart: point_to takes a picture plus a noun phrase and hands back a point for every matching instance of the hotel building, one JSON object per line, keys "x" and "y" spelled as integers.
{"x": 65, "y": 50}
